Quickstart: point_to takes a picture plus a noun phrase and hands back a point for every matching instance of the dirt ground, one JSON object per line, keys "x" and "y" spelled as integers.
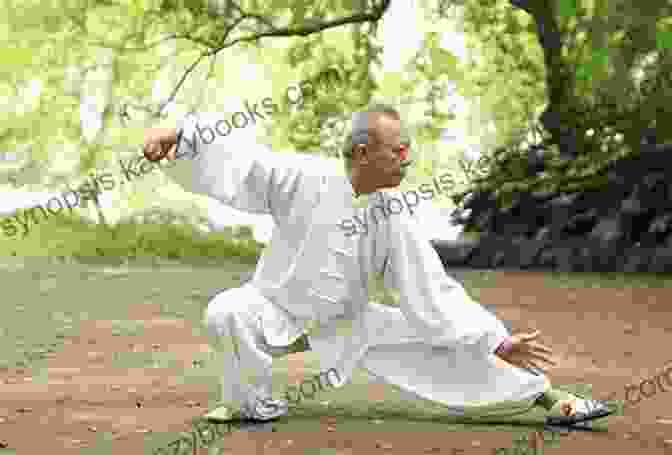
{"x": 605, "y": 337}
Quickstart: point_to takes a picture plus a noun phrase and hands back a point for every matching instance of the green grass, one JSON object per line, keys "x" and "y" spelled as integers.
{"x": 477, "y": 279}
{"x": 45, "y": 302}
{"x": 609, "y": 280}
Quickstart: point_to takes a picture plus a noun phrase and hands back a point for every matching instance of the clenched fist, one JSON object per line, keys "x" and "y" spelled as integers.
{"x": 160, "y": 143}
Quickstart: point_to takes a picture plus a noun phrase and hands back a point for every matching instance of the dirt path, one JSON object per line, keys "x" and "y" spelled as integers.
{"x": 611, "y": 338}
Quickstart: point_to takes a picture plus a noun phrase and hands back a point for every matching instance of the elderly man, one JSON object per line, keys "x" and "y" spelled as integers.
{"x": 312, "y": 284}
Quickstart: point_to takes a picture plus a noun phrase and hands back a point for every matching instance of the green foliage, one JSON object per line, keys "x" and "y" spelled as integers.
{"x": 510, "y": 78}
{"x": 79, "y": 238}
{"x": 567, "y": 8}
{"x": 616, "y": 55}
{"x": 70, "y": 40}
{"x": 618, "y": 79}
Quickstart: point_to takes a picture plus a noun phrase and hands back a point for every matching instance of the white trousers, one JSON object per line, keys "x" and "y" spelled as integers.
{"x": 385, "y": 346}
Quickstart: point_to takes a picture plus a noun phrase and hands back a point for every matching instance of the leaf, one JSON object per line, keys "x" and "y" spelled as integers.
{"x": 567, "y": 8}
{"x": 15, "y": 56}
{"x": 443, "y": 61}
{"x": 136, "y": 8}
{"x": 583, "y": 72}
{"x": 664, "y": 39}
{"x": 299, "y": 9}
{"x": 350, "y": 5}
{"x": 601, "y": 57}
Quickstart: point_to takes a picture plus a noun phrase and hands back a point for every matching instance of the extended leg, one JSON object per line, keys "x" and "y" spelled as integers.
{"x": 468, "y": 383}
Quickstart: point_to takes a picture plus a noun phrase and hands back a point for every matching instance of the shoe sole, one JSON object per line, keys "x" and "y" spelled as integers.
{"x": 571, "y": 422}
{"x": 226, "y": 416}
{"x": 564, "y": 430}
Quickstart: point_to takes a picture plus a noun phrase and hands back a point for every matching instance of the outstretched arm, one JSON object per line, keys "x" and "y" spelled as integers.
{"x": 439, "y": 307}
{"x": 435, "y": 304}
{"x": 234, "y": 169}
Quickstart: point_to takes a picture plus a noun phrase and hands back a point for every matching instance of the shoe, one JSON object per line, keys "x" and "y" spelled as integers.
{"x": 265, "y": 409}
{"x": 261, "y": 410}
{"x": 223, "y": 414}
{"x": 587, "y": 410}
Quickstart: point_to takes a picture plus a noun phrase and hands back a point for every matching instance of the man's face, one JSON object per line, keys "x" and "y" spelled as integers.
{"x": 383, "y": 167}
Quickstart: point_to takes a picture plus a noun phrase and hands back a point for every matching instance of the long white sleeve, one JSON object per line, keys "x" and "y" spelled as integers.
{"x": 435, "y": 304}
{"x": 235, "y": 169}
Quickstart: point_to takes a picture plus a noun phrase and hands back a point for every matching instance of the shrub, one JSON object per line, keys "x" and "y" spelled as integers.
{"x": 76, "y": 237}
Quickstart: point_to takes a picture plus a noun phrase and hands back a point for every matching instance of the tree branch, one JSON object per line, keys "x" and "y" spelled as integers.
{"x": 173, "y": 94}
{"x": 313, "y": 27}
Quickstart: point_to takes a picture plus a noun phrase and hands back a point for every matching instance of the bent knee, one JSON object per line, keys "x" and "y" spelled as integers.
{"x": 231, "y": 304}
{"x": 223, "y": 306}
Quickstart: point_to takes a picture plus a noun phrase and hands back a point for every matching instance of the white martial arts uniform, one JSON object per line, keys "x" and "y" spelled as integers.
{"x": 314, "y": 278}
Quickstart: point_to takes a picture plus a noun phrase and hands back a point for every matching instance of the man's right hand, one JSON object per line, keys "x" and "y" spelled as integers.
{"x": 160, "y": 143}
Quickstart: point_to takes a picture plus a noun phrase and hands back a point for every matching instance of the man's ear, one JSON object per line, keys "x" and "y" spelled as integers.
{"x": 360, "y": 154}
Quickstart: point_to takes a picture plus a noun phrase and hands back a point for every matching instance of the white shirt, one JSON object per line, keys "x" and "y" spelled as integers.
{"x": 313, "y": 269}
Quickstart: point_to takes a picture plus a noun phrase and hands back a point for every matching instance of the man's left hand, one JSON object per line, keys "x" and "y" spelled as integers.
{"x": 527, "y": 353}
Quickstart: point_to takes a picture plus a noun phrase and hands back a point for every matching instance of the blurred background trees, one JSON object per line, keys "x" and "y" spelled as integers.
{"x": 553, "y": 89}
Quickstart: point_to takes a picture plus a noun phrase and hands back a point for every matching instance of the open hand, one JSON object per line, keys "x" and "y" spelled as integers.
{"x": 527, "y": 353}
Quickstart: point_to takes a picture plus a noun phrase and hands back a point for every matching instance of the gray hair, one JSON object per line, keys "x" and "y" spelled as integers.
{"x": 361, "y": 130}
